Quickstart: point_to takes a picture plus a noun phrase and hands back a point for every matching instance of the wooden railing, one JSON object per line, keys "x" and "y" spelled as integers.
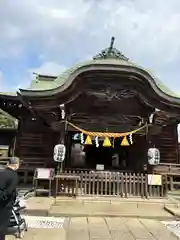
{"x": 112, "y": 183}
{"x": 167, "y": 168}
{"x": 117, "y": 184}
{"x": 172, "y": 172}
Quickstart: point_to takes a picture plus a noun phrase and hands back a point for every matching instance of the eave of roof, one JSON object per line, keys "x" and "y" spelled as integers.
{"x": 46, "y": 88}
{"x": 112, "y": 58}
{"x": 13, "y": 94}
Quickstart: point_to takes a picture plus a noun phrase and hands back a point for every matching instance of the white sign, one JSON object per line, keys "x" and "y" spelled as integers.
{"x": 154, "y": 179}
{"x": 44, "y": 173}
{"x": 100, "y": 167}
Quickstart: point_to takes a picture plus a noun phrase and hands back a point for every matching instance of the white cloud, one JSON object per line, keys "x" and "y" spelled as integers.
{"x": 150, "y": 26}
{"x": 67, "y": 31}
{"x": 60, "y": 33}
{"x": 49, "y": 68}
{"x": 40, "y": 22}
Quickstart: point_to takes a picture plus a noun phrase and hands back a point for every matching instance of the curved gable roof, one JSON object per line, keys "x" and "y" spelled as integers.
{"x": 45, "y": 87}
{"x": 109, "y": 57}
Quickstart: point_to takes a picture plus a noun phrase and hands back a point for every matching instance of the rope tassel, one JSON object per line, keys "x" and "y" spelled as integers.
{"x": 88, "y": 141}
{"x": 125, "y": 142}
{"x": 106, "y": 142}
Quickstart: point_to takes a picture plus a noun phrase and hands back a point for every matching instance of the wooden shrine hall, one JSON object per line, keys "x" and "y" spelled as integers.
{"x": 107, "y": 112}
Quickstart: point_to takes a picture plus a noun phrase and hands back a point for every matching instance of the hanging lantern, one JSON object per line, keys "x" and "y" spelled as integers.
{"x": 130, "y": 139}
{"x": 88, "y": 141}
{"x": 97, "y": 141}
{"x": 59, "y": 152}
{"x": 153, "y": 156}
{"x": 125, "y": 142}
{"x": 107, "y": 142}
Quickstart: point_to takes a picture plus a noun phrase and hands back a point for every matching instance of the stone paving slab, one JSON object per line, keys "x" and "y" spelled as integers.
{"x": 44, "y": 206}
{"x": 72, "y": 209}
{"x": 115, "y": 200}
{"x": 175, "y": 211}
{"x": 157, "y": 229}
{"x": 96, "y": 228}
{"x": 43, "y": 234}
{"x": 173, "y": 226}
{"x": 39, "y": 205}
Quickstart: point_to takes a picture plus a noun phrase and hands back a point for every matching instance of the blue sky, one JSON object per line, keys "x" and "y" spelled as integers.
{"x": 47, "y": 36}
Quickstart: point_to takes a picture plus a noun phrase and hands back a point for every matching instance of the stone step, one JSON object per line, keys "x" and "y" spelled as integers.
{"x": 49, "y": 207}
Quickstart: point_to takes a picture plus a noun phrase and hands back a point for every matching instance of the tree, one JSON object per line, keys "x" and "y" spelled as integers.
{"x": 6, "y": 120}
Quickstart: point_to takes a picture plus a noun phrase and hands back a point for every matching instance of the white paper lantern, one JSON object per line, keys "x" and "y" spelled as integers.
{"x": 59, "y": 152}
{"x": 153, "y": 156}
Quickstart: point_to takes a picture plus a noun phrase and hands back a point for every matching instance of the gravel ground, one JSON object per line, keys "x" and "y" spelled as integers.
{"x": 174, "y": 227}
{"x": 45, "y": 222}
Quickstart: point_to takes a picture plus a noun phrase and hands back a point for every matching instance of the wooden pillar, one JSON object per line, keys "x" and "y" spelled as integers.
{"x": 68, "y": 149}
{"x": 62, "y": 138}
{"x": 177, "y": 143}
{"x": 62, "y": 141}
{"x": 18, "y": 134}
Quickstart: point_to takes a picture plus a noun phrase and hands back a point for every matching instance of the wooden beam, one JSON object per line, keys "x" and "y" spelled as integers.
{"x": 26, "y": 105}
{"x": 31, "y": 110}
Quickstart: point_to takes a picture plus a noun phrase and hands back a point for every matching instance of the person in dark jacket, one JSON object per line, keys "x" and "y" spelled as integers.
{"x": 8, "y": 183}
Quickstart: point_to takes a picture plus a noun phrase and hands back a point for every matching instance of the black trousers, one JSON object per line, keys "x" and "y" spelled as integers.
{"x": 2, "y": 236}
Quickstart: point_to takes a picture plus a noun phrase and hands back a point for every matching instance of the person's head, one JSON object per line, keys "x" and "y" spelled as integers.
{"x": 13, "y": 163}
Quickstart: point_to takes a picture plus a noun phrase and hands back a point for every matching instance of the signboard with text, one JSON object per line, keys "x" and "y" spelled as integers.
{"x": 44, "y": 173}
{"x": 154, "y": 179}
{"x": 100, "y": 167}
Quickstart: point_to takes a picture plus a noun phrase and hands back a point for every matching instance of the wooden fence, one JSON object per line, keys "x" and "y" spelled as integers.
{"x": 172, "y": 171}
{"x": 117, "y": 184}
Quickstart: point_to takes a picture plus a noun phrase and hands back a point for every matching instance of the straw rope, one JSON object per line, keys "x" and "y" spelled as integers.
{"x": 105, "y": 134}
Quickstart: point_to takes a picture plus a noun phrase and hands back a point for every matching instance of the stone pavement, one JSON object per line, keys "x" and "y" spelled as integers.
{"x": 174, "y": 209}
{"x": 96, "y": 228}
{"x": 40, "y": 206}
{"x": 74, "y": 209}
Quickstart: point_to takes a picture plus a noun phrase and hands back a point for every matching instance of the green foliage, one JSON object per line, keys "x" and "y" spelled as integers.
{"x": 6, "y": 122}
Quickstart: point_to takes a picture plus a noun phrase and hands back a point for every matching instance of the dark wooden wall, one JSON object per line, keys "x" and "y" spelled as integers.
{"x": 167, "y": 143}
{"x": 7, "y": 136}
{"x": 35, "y": 143}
